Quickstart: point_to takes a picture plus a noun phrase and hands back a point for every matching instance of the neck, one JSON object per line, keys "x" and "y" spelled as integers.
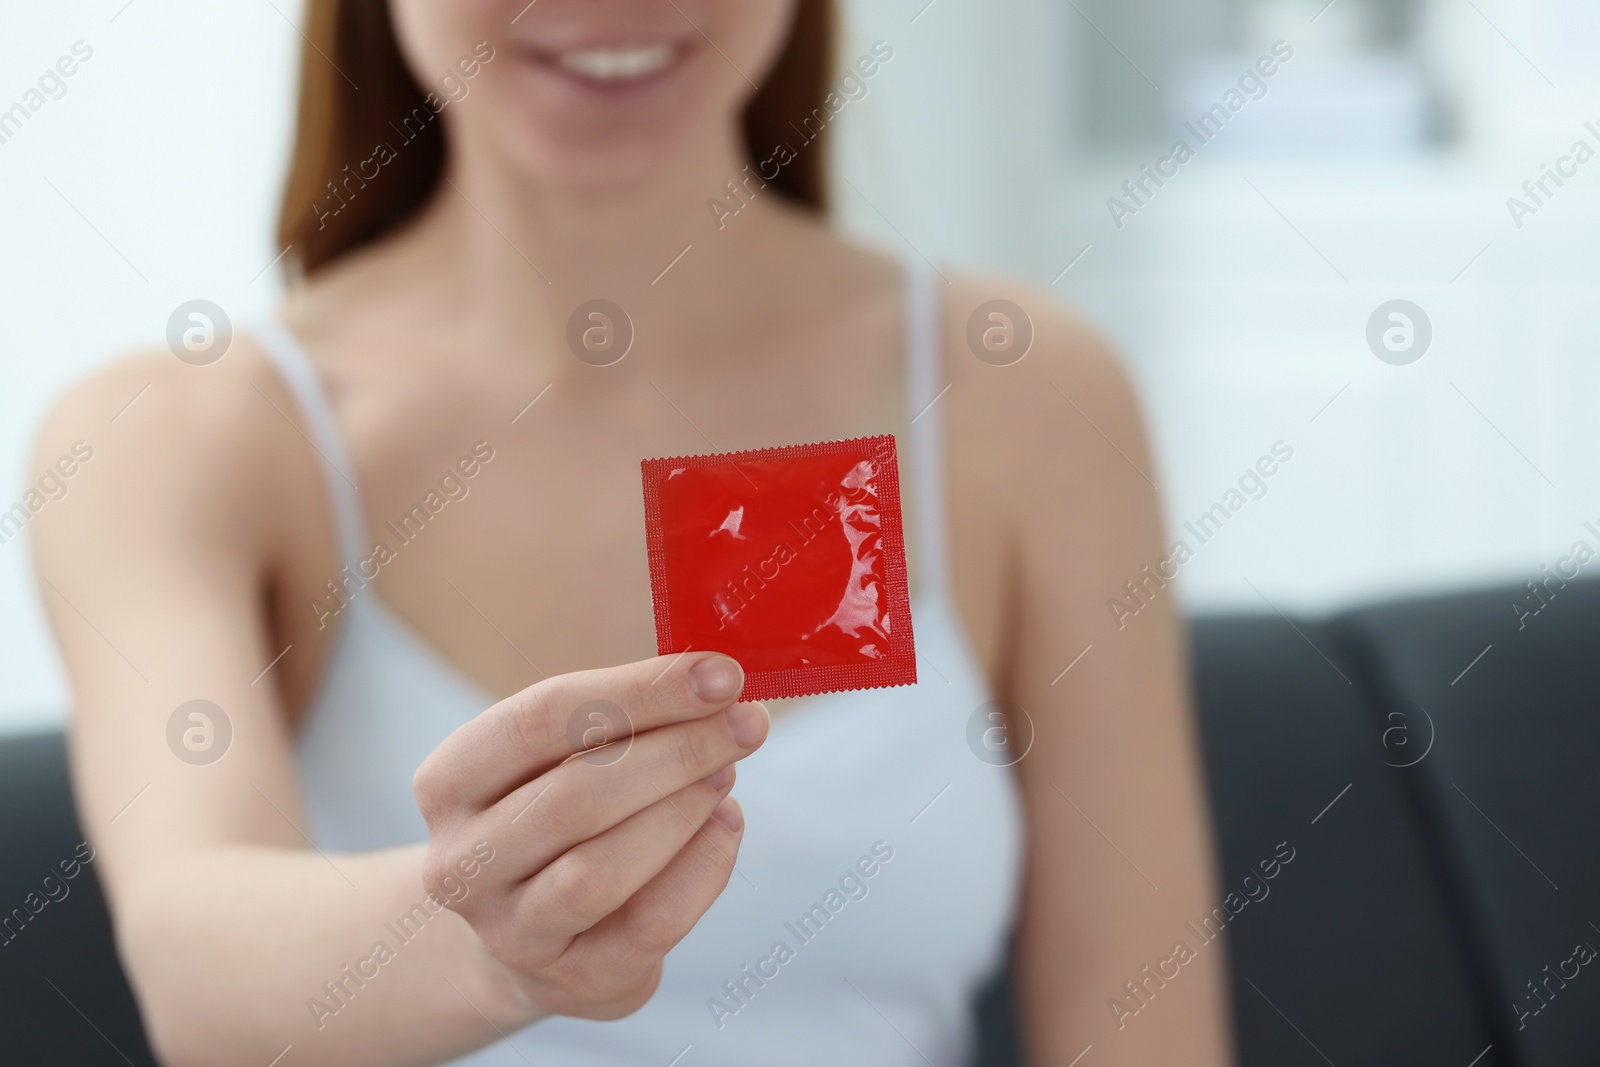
{"x": 520, "y": 255}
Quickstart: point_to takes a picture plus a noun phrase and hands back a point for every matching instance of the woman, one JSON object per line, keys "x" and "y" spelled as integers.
{"x": 395, "y": 534}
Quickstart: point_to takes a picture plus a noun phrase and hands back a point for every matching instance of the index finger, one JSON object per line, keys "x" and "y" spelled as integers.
{"x": 529, "y": 732}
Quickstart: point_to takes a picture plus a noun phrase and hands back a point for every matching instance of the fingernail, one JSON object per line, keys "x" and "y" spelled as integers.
{"x": 729, "y": 814}
{"x": 716, "y": 679}
{"x": 748, "y": 723}
{"x": 721, "y": 779}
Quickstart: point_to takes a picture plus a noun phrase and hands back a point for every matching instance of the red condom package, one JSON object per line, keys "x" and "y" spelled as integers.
{"x": 791, "y": 560}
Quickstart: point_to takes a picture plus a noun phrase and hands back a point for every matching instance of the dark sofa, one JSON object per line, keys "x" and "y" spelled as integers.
{"x": 1431, "y": 762}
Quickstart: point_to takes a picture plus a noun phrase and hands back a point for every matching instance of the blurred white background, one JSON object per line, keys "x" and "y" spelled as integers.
{"x": 1376, "y": 167}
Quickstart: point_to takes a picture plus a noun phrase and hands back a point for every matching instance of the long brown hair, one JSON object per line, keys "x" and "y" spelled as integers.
{"x": 342, "y": 131}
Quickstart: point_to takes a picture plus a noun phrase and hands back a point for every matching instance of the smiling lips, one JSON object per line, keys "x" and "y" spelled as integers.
{"x": 611, "y": 65}
{"x": 619, "y": 64}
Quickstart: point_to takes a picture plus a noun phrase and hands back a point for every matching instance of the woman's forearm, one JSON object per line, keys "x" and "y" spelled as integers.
{"x": 237, "y": 953}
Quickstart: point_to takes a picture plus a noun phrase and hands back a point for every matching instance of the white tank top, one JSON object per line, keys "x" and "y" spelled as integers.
{"x": 804, "y": 959}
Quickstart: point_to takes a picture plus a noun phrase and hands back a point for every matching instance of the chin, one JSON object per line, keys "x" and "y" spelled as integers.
{"x": 606, "y": 115}
{"x": 597, "y": 93}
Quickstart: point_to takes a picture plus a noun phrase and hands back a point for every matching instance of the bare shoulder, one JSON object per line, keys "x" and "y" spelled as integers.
{"x": 1038, "y": 399}
{"x": 160, "y": 447}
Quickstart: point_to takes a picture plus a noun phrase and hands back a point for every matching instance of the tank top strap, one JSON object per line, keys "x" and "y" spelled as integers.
{"x": 925, "y": 391}
{"x": 321, "y": 429}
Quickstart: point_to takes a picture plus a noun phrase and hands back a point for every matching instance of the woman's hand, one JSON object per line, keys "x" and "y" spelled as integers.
{"x": 604, "y": 796}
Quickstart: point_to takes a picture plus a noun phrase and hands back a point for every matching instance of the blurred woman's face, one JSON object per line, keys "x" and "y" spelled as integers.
{"x": 597, "y": 94}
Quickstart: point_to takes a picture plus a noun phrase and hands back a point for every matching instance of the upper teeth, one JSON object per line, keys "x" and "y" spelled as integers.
{"x": 607, "y": 64}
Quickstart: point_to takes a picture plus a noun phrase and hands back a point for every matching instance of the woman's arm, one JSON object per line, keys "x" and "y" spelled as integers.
{"x": 1119, "y": 853}
{"x": 157, "y": 569}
